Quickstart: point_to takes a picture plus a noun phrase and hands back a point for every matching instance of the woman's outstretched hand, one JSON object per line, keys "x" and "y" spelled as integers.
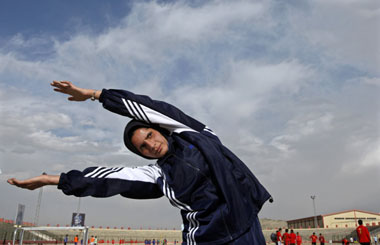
{"x": 76, "y": 93}
{"x": 35, "y": 182}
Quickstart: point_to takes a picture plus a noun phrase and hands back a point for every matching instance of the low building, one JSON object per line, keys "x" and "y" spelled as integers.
{"x": 344, "y": 219}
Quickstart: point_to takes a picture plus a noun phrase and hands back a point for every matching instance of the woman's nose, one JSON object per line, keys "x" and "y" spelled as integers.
{"x": 150, "y": 144}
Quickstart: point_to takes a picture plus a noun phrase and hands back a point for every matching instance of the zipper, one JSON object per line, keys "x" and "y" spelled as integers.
{"x": 163, "y": 160}
{"x": 190, "y": 165}
{"x": 225, "y": 225}
{"x": 198, "y": 170}
{"x": 208, "y": 180}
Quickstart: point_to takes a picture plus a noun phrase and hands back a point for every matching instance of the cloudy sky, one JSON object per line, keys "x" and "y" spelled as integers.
{"x": 293, "y": 88}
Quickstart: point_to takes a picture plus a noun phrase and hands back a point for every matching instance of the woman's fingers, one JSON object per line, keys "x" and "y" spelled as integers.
{"x": 58, "y": 90}
{"x": 15, "y": 182}
{"x": 26, "y": 184}
{"x": 61, "y": 84}
{"x": 66, "y": 83}
{"x": 11, "y": 181}
{"x": 65, "y": 87}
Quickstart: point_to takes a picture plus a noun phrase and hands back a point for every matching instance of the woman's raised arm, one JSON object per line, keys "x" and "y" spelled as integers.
{"x": 76, "y": 93}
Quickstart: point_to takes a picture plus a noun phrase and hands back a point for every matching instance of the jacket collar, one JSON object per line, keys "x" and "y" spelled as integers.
{"x": 171, "y": 150}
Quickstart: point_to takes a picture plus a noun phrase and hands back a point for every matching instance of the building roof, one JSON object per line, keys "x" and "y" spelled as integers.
{"x": 306, "y": 218}
{"x": 324, "y": 215}
{"x": 352, "y": 210}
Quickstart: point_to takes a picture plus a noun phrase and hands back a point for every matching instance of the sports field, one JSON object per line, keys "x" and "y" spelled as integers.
{"x": 122, "y": 236}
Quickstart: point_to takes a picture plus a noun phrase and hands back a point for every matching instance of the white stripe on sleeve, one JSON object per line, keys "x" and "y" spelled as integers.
{"x": 148, "y": 173}
{"x": 146, "y": 114}
{"x": 165, "y": 121}
{"x": 127, "y": 106}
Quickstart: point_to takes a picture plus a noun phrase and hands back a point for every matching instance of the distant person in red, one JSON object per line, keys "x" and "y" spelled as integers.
{"x": 321, "y": 239}
{"x": 279, "y": 237}
{"x": 292, "y": 237}
{"x": 76, "y": 239}
{"x": 344, "y": 241}
{"x": 363, "y": 234}
{"x": 313, "y": 239}
{"x": 286, "y": 237}
{"x": 299, "y": 239}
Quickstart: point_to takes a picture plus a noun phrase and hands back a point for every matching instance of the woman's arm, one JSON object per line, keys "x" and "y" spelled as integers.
{"x": 138, "y": 182}
{"x": 35, "y": 182}
{"x": 76, "y": 93}
{"x": 143, "y": 108}
{"x": 139, "y": 107}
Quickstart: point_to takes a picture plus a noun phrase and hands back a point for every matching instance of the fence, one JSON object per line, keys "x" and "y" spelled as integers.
{"x": 46, "y": 238}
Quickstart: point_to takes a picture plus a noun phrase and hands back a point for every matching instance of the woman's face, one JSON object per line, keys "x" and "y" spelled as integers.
{"x": 150, "y": 142}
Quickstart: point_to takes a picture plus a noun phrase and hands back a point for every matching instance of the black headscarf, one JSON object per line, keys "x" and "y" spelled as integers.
{"x": 130, "y": 129}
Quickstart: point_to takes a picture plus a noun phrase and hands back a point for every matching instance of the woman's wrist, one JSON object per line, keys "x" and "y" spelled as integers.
{"x": 52, "y": 179}
{"x": 93, "y": 94}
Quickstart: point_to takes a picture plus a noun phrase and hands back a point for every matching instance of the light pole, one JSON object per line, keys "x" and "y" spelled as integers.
{"x": 38, "y": 206}
{"x": 78, "y": 209}
{"x": 315, "y": 213}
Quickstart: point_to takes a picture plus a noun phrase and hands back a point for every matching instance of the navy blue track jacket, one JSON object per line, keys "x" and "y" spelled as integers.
{"x": 217, "y": 194}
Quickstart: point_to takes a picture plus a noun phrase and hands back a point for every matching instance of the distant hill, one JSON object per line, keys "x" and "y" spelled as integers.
{"x": 269, "y": 224}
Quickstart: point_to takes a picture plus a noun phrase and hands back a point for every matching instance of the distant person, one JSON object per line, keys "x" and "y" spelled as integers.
{"x": 285, "y": 237}
{"x": 279, "y": 236}
{"x": 321, "y": 239}
{"x": 363, "y": 234}
{"x": 96, "y": 240}
{"x": 273, "y": 237}
{"x": 92, "y": 240}
{"x": 313, "y": 239}
{"x": 292, "y": 237}
{"x": 75, "y": 238}
{"x": 375, "y": 239}
{"x": 299, "y": 239}
{"x": 345, "y": 241}
{"x": 66, "y": 240}
{"x": 218, "y": 195}
{"x": 154, "y": 242}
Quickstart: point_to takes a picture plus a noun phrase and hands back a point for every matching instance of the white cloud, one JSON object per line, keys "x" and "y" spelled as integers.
{"x": 49, "y": 141}
{"x": 344, "y": 31}
{"x": 372, "y": 158}
{"x": 301, "y": 129}
{"x": 372, "y": 81}
{"x": 181, "y": 22}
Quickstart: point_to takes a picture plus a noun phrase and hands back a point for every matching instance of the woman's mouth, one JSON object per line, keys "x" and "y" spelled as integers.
{"x": 159, "y": 148}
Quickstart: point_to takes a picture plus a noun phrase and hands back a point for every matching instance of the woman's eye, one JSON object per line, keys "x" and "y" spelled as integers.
{"x": 149, "y": 135}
